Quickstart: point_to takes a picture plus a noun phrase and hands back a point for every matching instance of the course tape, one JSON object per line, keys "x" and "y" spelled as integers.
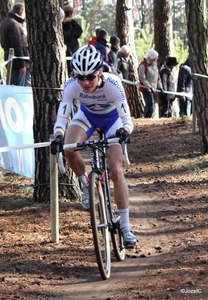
{"x": 27, "y": 89}
{"x": 3, "y": 64}
{"x": 27, "y": 146}
{"x": 124, "y": 80}
{"x": 188, "y": 95}
{"x": 199, "y": 75}
{"x": 69, "y": 58}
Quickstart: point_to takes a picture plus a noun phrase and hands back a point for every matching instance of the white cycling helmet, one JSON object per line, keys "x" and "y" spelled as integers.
{"x": 86, "y": 60}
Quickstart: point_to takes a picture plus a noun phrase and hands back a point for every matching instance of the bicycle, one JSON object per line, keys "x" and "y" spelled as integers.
{"x": 105, "y": 220}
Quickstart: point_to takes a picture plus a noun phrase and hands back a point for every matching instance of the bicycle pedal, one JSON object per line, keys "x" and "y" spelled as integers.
{"x": 129, "y": 246}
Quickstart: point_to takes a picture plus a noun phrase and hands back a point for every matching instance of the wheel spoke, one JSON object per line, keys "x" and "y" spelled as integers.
{"x": 99, "y": 225}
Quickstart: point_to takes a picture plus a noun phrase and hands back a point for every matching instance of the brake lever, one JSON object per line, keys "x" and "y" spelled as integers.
{"x": 122, "y": 145}
{"x": 57, "y": 153}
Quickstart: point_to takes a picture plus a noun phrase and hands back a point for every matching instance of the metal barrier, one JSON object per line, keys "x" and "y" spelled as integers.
{"x": 9, "y": 66}
{"x": 54, "y": 207}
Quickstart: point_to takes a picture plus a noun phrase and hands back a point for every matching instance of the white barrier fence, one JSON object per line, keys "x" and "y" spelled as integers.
{"x": 16, "y": 128}
{"x": 54, "y": 201}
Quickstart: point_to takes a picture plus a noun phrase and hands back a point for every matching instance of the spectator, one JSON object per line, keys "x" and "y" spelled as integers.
{"x": 93, "y": 38}
{"x": 108, "y": 48}
{"x": 101, "y": 45}
{"x": 123, "y": 63}
{"x": 169, "y": 77}
{"x": 72, "y": 31}
{"x": 112, "y": 55}
{"x": 185, "y": 86}
{"x": 149, "y": 79}
{"x": 13, "y": 35}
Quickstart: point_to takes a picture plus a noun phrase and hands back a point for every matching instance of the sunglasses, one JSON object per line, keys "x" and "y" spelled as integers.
{"x": 89, "y": 77}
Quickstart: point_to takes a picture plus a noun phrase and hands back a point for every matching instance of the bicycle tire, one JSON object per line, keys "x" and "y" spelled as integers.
{"x": 99, "y": 224}
{"x": 117, "y": 239}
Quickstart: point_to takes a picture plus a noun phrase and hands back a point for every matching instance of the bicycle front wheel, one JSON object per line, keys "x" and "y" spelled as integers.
{"x": 99, "y": 225}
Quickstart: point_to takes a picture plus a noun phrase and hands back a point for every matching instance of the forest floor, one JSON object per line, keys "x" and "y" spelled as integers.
{"x": 168, "y": 187}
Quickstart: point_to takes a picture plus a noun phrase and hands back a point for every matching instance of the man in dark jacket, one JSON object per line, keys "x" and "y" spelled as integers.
{"x": 124, "y": 63}
{"x": 72, "y": 31}
{"x": 13, "y": 36}
{"x": 101, "y": 45}
{"x": 112, "y": 55}
{"x": 185, "y": 85}
{"x": 169, "y": 76}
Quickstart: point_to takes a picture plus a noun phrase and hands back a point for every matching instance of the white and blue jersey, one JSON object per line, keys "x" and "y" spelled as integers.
{"x": 105, "y": 108}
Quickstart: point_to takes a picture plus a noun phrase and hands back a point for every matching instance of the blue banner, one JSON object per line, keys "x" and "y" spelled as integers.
{"x": 16, "y": 128}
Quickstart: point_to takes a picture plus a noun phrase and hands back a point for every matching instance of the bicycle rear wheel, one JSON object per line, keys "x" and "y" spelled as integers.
{"x": 116, "y": 237}
{"x": 99, "y": 225}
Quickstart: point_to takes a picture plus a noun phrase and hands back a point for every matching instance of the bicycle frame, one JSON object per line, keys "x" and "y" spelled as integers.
{"x": 103, "y": 220}
{"x": 98, "y": 163}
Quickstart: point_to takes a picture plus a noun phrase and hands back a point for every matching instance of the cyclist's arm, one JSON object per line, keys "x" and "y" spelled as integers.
{"x": 62, "y": 117}
{"x": 124, "y": 114}
{"x": 117, "y": 93}
{"x": 65, "y": 107}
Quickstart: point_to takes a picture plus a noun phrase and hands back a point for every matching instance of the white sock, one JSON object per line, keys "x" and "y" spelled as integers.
{"x": 84, "y": 179}
{"x": 124, "y": 213}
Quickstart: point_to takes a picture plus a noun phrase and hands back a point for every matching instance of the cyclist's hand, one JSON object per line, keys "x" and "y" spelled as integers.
{"x": 123, "y": 134}
{"x": 57, "y": 145}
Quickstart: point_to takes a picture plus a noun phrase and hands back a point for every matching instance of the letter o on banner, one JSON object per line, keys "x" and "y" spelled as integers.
{"x": 13, "y": 115}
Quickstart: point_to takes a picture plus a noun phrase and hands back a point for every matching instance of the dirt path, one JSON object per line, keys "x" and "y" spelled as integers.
{"x": 166, "y": 263}
{"x": 126, "y": 274}
{"x": 169, "y": 262}
{"x": 168, "y": 187}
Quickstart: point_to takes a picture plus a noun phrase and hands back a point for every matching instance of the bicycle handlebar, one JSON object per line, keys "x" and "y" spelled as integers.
{"x": 88, "y": 144}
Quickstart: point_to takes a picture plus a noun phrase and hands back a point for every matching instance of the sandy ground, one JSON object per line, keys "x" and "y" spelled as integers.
{"x": 167, "y": 180}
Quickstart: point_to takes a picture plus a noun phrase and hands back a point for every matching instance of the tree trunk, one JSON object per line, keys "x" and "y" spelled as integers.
{"x": 198, "y": 55}
{"x": 48, "y": 70}
{"x": 163, "y": 29}
{"x": 125, "y": 31}
{"x": 5, "y": 7}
